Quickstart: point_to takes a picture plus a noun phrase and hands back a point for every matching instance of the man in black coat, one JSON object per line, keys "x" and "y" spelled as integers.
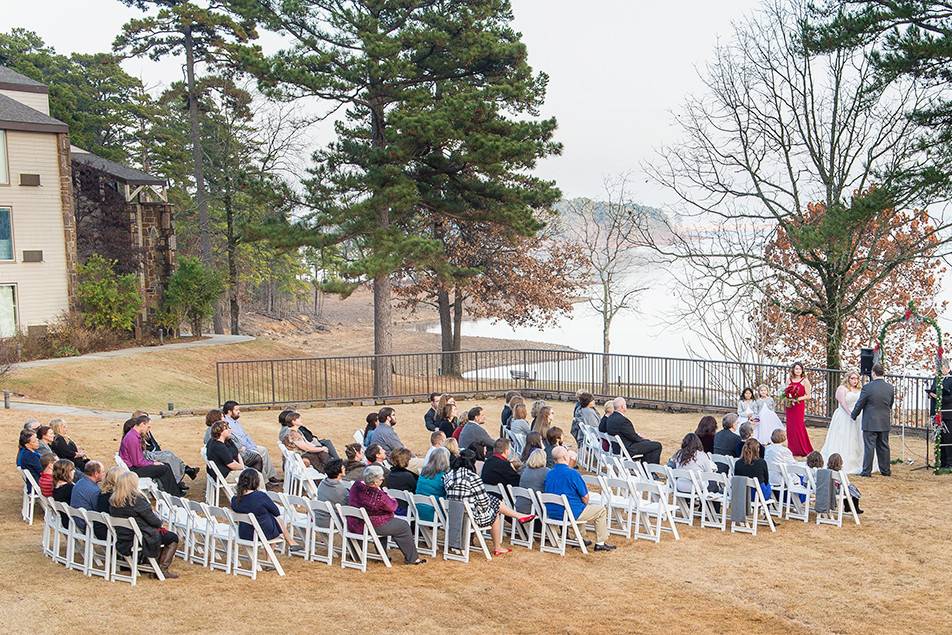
{"x": 497, "y": 470}
{"x": 618, "y": 424}
{"x": 726, "y": 441}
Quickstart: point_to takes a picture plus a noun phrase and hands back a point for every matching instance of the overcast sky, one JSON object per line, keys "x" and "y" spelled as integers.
{"x": 617, "y": 69}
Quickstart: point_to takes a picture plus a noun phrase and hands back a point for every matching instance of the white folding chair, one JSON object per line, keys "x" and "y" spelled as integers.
{"x": 322, "y": 538}
{"x": 216, "y": 484}
{"x": 713, "y": 493}
{"x": 146, "y": 484}
{"x": 51, "y": 521}
{"x": 523, "y": 535}
{"x": 800, "y": 481}
{"x": 426, "y": 533}
{"x": 359, "y": 437}
{"x": 654, "y": 511}
{"x": 635, "y": 469}
{"x": 470, "y": 529}
{"x": 222, "y": 535}
{"x": 555, "y": 531}
{"x": 842, "y": 499}
{"x": 249, "y": 550}
{"x": 685, "y": 502}
{"x": 98, "y": 550}
{"x": 299, "y": 522}
{"x": 356, "y": 549}
{"x": 723, "y": 459}
{"x": 174, "y": 510}
{"x": 132, "y": 560}
{"x": 31, "y": 492}
{"x": 62, "y": 535}
{"x": 759, "y": 513}
{"x": 621, "y": 506}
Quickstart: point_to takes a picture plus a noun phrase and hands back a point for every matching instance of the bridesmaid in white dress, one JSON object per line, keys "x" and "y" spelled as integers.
{"x": 845, "y": 436}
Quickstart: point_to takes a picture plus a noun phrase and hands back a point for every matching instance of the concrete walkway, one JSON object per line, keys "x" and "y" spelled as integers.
{"x": 212, "y": 340}
{"x": 56, "y": 409}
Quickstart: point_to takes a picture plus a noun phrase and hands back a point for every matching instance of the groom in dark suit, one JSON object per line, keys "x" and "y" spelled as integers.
{"x": 875, "y": 403}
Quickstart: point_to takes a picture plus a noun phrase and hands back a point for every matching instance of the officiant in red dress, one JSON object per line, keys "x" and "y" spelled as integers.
{"x": 797, "y": 394}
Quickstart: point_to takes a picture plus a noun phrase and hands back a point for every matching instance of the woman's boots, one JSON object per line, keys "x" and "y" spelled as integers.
{"x": 166, "y": 556}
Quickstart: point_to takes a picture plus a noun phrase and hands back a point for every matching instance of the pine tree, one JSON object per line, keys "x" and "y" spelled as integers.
{"x": 202, "y": 33}
{"x": 387, "y": 62}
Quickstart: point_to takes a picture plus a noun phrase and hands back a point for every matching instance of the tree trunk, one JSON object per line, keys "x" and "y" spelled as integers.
{"x": 232, "y": 249}
{"x": 383, "y": 342}
{"x": 457, "y": 332}
{"x": 198, "y": 171}
{"x": 606, "y": 335}
{"x": 446, "y": 331}
{"x": 834, "y": 339}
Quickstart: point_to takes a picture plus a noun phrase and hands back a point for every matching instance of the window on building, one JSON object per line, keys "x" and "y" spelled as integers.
{"x": 4, "y": 168}
{"x": 8, "y": 310}
{"x": 6, "y": 234}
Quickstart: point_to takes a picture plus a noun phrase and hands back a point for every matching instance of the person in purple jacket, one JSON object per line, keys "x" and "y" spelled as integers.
{"x": 132, "y": 454}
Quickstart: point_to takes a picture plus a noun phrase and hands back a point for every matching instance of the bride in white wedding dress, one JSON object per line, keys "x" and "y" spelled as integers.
{"x": 845, "y": 436}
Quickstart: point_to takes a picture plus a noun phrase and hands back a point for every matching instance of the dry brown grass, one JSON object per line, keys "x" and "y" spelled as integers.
{"x": 890, "y": 574}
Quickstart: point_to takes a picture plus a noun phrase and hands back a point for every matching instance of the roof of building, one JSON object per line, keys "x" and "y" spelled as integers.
{"x": 121, "y": 172}
{"x": 17, "y": 116}
{"x": 12, "y": 80}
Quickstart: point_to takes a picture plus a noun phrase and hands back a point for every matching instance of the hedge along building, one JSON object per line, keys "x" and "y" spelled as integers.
{"x": 59, "y": 204}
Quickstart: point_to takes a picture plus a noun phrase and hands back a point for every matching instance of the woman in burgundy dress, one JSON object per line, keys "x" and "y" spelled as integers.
{"x": 798, "y": 392}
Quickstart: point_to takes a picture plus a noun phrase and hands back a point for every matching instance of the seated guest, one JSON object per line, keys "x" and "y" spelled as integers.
{"x": 44, "y": 434}
{"x": 106, "y": 488}
{"x": 533, "y": 442}
{"x": 375, "y": 456}
{"x": 298, "y": 424}
{"x": 586, "y": 414}
{"x": 211, "y": 418}
{"x": 371, "y": 425}
{"x": 563, "y": 479}
{"x": 452, "y": 446}
{"x": 752, "y": 466}
{"x": 516, "y": 401}
{"x": 331, "y": 489}
{"x": 726, "y": 441}
{"x": 497, "y": 469}
{"x": 448, "y": 420}
{"x": 534, "y": 411}
{"x": 463, "y": 484}
{"x": 506, "y": 415}
{"x": 835, "y": 463}
{"x": 618, "y": 424}
{"x": 386, "y": 437}
{"x": 430, "y": 482}
{"x": 473, "y": 431}
{"x": 31, "y": 425}
{"x": 542, "y": 420}
{"x": 777, "y": 453}
{"x": 63, "y": 470}
{"x": 64, "y": 447}
{"x": 553, "y": 439}
{"x": 355, "y": 463}
{"x": 46, "y": 476}
{"x": 609, "y": 409}
{"x": 692, "y": 457}
{"x": 706, "y": 431}
{"x": 532, "y": 477}
{"x": 747, "y": 432}
{"x": 86, "y": 490}
{"x": 132, "y": 453}
{"x": 291, "y": 435}
{"x": 154, "y": 452}
{"x": 814, "y": 460}
{"x": 519, "y": 423}
{"x": 127, "y": 501}
{"x": 399, "y": 477}
{"x": 224, "y": 455}
{"x": 249, "y": 499}
{"x": 380, "y": 509}
{"x": 429, "y": 417}
{"x": 251, "y": 453}
{"x": 437, "y": 439}
{"x": 27, "y": 456}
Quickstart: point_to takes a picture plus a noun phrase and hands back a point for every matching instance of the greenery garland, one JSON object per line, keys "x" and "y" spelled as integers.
{"x": 912, "y": 313}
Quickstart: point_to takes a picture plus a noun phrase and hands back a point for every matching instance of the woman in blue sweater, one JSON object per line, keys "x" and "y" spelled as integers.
{"x": 251, "y": 500}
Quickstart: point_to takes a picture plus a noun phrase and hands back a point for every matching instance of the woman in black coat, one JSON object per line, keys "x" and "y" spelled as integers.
{"x": 157, "y": 542}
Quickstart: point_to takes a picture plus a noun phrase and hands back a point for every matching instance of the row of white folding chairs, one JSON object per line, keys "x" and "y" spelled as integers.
{"x": 800, "y": 481}
{"x": 598, "y": 450}
{"x": 146, "y": 484}
{"x": 76, "y": 545}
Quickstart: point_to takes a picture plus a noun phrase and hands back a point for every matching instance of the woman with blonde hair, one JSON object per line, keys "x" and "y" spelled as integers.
{"x": 64, "y": 447}
{"x": 845, "y": 436}
{"x": 543, "y": 420}
{"x": 452, "y": 446}
{"x": 519, "y": 424}
{"x": 157, "y": 542}
{"x": 106, "y": 487}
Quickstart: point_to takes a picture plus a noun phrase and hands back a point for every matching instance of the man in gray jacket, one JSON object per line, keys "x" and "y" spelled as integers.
{"x": 875, "y": 403}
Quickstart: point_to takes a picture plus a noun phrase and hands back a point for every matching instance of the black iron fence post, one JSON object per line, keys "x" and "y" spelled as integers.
{"x": 273, "y": 400}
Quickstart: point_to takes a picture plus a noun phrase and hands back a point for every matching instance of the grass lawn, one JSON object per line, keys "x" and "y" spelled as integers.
{"x": 889, "y": 574}
{"x": 148, "y": 381}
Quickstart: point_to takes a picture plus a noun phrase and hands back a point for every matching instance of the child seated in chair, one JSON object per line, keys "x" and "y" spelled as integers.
{"x": 835, "y": 463}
